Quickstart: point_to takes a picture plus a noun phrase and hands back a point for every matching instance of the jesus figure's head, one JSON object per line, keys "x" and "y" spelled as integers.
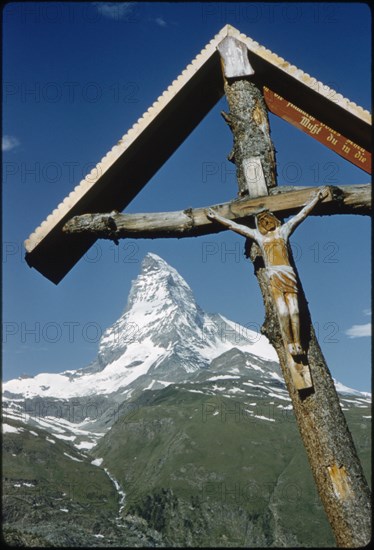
{"x": 266, "y": 222}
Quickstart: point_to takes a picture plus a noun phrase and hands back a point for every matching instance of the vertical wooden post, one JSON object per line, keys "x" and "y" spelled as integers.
{"x": 336, "y": 468}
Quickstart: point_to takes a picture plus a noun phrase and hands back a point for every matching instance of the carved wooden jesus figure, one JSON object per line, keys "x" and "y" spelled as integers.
{"x": 272, "y": 238}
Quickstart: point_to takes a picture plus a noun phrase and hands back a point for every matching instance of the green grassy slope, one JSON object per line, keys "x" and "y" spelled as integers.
{"x": 203, "y": 472}
{"x": 198, "y": 468}
{"x": 54, "y": 496}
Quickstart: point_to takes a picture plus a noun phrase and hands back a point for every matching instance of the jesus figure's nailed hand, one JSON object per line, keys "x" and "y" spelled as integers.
{"x": 323, "y": 193}
{"x": 211, "y": 214}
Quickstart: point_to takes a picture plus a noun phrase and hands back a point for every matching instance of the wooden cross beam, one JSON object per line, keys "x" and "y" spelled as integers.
{"x": 194, "y": 222}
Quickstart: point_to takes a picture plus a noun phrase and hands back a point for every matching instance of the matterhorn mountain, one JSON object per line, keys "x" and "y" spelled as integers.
{"x": 163, "y": 337}
{"x": 164, "y": 332}
{"x": 180, "y": 433}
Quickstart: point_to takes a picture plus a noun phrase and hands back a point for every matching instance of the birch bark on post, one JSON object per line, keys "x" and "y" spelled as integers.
{"x": 336, "y": 468}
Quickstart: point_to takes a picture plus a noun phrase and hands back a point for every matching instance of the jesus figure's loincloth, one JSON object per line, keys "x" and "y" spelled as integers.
{"x": 282, "y": 278}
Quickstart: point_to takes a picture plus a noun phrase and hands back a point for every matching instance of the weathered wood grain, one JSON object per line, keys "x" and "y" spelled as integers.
{"x": 234, "y": 56}
{"x": 284, "y": 201}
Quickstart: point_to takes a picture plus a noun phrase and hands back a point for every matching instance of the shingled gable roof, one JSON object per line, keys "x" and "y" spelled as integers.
{"x": 122, "y": 173}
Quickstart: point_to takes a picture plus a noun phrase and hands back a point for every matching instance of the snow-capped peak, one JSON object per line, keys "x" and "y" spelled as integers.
{"x": 163, "y": 333}
{"x": 162, "y": 328}
{"x": 163, "y": 338}
{"x": 345, "y": 390}
{"x": 158, "y": 282}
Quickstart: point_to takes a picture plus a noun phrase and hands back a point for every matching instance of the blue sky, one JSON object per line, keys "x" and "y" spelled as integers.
{"x": 76, "y": 76}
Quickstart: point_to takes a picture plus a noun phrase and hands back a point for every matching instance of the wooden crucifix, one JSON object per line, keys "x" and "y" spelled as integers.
{"x": 272, "y": 238}
{"x": 333, "y": 459}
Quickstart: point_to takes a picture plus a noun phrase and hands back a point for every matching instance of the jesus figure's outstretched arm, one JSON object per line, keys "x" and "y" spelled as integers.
{"x": 289, "y": 227}
{"x": 238, "y": 228}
